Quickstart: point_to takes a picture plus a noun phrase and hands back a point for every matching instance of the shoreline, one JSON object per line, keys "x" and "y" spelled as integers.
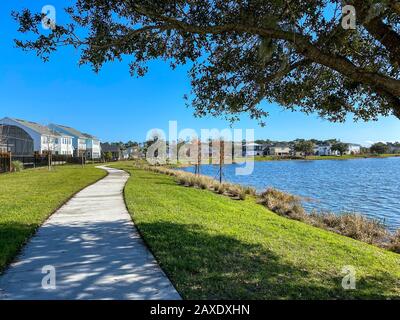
{"x": 276, "y": 158}
{"x": 320, "y": 158}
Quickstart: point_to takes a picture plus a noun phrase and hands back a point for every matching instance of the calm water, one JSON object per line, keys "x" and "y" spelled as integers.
{"x": 367, "y": 186}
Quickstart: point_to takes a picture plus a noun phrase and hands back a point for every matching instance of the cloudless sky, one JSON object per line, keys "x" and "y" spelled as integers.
{"x": 116, "y": 107}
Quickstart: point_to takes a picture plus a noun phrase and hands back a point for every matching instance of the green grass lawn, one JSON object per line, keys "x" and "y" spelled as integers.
{"x": 27, "y": 198}
{"x": 217, "y": 248}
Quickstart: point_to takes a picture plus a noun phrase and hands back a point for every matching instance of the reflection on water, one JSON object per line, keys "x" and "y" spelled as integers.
{"x": 368, "y": 186}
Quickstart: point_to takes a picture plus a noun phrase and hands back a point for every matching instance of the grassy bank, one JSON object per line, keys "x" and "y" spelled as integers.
{"x": 345, "y": 157}
{"x": 27, "y": 198}
{"x": 214, "y": 247}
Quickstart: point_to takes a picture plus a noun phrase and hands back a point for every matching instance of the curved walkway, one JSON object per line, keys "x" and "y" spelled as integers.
{"x": 95, "y": 250}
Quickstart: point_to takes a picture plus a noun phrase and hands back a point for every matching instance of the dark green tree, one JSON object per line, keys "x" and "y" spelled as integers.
{"x": 340, "y": 147}
{"x": 108, "y": 156}
{"x": 294, "y": 53}
{"x": 305, "y": 146}
{"x": 379, "y": 148}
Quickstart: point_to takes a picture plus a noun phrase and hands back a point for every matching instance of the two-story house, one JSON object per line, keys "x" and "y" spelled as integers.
{"x": 278, "y": 150}
{"x": 26, "y": 137}
{"x": 93, "y": 147}
{"x": 83, "y": 144}
{"x": 114, "y": 149}
{"x": 252, "y": 149}
{"x": 325, "y": 149}
{"x": 353, "y": 149}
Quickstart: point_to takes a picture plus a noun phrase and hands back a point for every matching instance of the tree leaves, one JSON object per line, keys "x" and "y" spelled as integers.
{"x": 243, "y": 52}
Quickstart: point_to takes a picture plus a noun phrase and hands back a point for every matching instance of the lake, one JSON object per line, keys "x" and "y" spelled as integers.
{"x": 367, "y": 186}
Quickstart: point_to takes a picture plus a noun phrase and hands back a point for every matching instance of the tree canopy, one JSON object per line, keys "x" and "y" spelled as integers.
{"x": 340, "y": 147}
{"x": 379, "y": 148}
{"x": 305, "y": 146}
{"x": 243, "y": 52}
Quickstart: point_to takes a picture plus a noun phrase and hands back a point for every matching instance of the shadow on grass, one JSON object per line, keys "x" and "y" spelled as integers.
{"x": 203, "y": 265}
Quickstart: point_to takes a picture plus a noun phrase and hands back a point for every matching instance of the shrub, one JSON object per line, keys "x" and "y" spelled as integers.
{"x": 352, "y": 225}
{"x": 240, "y": 192}
{"x": 203, "y": 182}
{"x": 221, "y": 188}
{"x": 215, "y": 186}
{"x": 250, "y": 191}
{"x": 181, "y": 180}
{"x": 108, "y": 156}
{"x": 394, "y": 243}
{"x": 17, "y": 166}
{"x": 236, "y": 191}
{"x": 283, "y": 204}
{"x": 190, "y": 181}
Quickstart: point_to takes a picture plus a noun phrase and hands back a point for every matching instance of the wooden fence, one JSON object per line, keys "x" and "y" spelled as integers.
{"x": 5, "y": 162}
{"x": 37, "y": 160}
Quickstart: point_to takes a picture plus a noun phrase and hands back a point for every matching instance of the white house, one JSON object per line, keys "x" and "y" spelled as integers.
{"x": 252, "y": 149}
{"x": 325, "y": 150}
{"x": 83, "y": 143}
{"x": 25, "y": 137}
{"x": 279, "y": 150}
{"x": 353, "y": 149}
{"x": 131, "y": 153}
{"x": 93, "y": 147}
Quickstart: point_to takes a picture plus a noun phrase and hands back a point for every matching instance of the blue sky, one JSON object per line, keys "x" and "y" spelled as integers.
{"x": 115, "y": 106}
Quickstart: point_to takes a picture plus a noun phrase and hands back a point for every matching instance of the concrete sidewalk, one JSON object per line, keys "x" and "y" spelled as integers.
{"x": 95, "y": 250}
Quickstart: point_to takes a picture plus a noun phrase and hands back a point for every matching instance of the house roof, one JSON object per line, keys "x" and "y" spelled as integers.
{"x": 70, "y": 130}
{"x": 89, "y": 136}
{"x": 106, "y": 147}
{"x": 324, "y": 144}
{"x": 43, "y": 130}
{"x": 75, "y": 133}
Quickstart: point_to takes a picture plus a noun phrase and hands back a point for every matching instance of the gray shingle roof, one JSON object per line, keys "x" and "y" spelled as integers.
{"x": 75, "y": 133}
{"x": 89, "y": 136}
{"x": 107, "y": 147}
{"x": 71, "y": 131}
{"x": 37, "y": 127}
